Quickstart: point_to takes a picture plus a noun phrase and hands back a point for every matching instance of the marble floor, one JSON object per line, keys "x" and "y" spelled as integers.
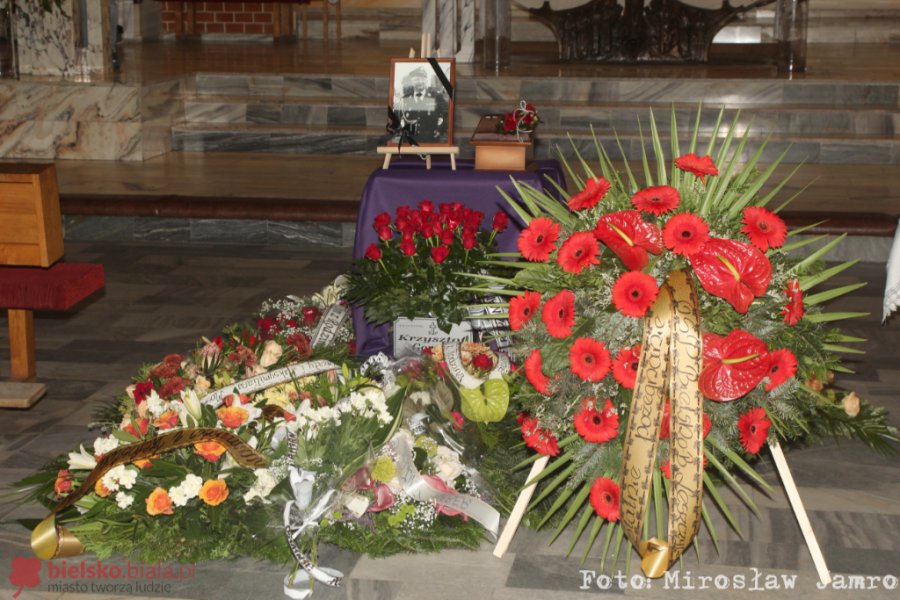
{"x": 160, "y": 297}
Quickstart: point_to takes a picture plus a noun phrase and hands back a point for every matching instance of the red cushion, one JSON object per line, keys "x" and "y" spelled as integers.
{"x": 55, "y": 288}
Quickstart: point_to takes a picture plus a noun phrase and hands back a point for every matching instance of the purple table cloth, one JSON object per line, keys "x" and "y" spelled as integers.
{"x": 408, "y": 183}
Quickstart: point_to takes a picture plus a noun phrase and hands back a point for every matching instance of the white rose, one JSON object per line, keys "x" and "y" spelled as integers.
{"x": 446, "y": 461}
{"x": 272, "y": 351}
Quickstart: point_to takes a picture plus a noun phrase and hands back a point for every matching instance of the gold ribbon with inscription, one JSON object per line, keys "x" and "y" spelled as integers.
{"x": 670, "y": 363}
{"x": 49, "y": 540}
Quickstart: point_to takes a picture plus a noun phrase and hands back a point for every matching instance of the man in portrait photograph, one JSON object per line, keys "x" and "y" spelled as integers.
{"x": 423, "y": 107}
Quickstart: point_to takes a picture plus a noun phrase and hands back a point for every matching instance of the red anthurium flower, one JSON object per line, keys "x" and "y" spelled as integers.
{"x": 634, "y": 292}
{"x": 605, "y": 498}
{"x": 764, "y": 228}
{"x": 522, "y": 309}
{"x": 535, "y": 374}
{"x": 558, "y": 314}
{"x": 578, "y": 252}
{"x": 793, "y": 310}
{"x": 732, "y": 365}
{"x": 701, "y": 166}
{"x": 783, "y": 366}
{"x": 500, "y": 222}
{"x": 657, "y": 199}
{"x": 538, "y": 240}
{"x": 538, "y": 439}
{"x": 593, "y": 192}
{"x": 594, "y": 425}
{"x": 440, "y": 253}
{"x": 589, "y": 359}
{"x": 629, "y": 237}
{"x": 664, "y": 428}
{"x": 625, "y": 366}
{"x": 732, "y": 270}
{"x": 754, "y": 428}
{"x": 685, "y": 234}
{"x": 373, "y": 252}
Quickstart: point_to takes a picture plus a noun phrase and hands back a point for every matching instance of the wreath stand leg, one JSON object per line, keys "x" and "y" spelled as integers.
{"x": 518, "y": 511}
{"x": 793, "y": 495}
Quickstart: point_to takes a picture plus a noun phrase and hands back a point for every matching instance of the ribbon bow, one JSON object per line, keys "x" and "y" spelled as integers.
{"x": 403, "y": 131}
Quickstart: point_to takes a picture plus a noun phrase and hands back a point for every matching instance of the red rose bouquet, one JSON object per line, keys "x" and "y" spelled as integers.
{"x": 524, "y": 119}
{"x": 667, "y": 330}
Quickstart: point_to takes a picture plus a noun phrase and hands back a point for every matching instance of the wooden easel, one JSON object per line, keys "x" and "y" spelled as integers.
{"x": 425, "y": 51}
{"x": 787, "y": 480}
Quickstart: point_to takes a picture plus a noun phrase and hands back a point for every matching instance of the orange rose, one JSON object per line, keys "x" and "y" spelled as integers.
{"x": 159, "y": 503}
{"x": 167, "y": 420}
{"x": 143, "y": 463}
{"x": 63, "y": 484}
{"x": 211, "y": 451}
{"x": 101, "y": 490}
{"x": 214, "y": 491}
{"x": 232, "y": 416}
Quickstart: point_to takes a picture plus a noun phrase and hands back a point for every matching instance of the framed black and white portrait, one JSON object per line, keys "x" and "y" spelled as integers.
{"x": 421, "y": 99}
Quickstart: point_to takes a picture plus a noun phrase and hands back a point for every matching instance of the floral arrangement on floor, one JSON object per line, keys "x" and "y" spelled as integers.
{"x": 202, "y": 455}
{"x": 478, "y": 377}
{"x": 524, "y": 119}
{"x": 419, "y": 267}
{"x": 596, "y": 281}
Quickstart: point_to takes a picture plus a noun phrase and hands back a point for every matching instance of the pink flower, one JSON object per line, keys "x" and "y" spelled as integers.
{"x": 439, "y": 485}
{"x": 384, "y": 499}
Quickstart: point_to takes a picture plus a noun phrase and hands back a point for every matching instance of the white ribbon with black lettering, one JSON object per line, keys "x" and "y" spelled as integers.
{"x": 416, "y": 487}
{"x": 328, "y": 327}
{"x": 453, "y": 358}
{"x": 267, "y": 380}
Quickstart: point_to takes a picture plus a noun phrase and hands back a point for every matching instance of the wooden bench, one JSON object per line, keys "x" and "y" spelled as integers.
{"x": 31, "y": 278}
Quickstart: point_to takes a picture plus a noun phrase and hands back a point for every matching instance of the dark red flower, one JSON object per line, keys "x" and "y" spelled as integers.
{"x": 500, "y": 222}
{"x": 426, "y": 206}
{"x": 509, "y": 123}
{"x": 605, "y": 498}
{"x": 578, "y": 252}
{"x": 538, "y": 240}
{"x": 408, "y": 247}
{"x": 665, "y": 428}
{"x": 793, "y": 310}
{"x": 764, "y": 228}
{"x": 311, "y": 315}
{"x": 535, "y": 374}
{"x": 267, "y": 328}
{"x": 732, "y": 365}
{"x": 685, "y": 234}
{"x": 629, "y": 237}
{"x": 634, "y": 292}
{"x": 301, "y": 345}
{"x": 142, "y": 391}
{"x": 522, "y": 309}
{"x": 625, "y": 366}
{"x": 732, "y": 270}
{"x": 538, "y": 439}
{"x": 597, "y": 426}
{"x": 754, "y": 428}
{"x": 783, "y": 366}
{"x": 468, "y": 239}
{"x": 440, "y": 253}
{"x": 373, "y": 252}
{"x": 382, "y": 220}
{"x": 701, "y": 166}
{"x": 657, "y": 199}
{"x": 483, "y": 362}
{"x": 558, "y": 314}
{"x": 385, "y": 234}
{"x": 594, "y": 191}
{"x": 589, "y": 359}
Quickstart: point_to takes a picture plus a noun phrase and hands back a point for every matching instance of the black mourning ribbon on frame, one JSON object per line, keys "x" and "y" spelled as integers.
{"x": 403, "y": 132}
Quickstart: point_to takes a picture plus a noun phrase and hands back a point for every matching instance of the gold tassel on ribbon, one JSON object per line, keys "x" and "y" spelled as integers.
{"x": 49, "y": 540}
{"x": 670, "y": 363}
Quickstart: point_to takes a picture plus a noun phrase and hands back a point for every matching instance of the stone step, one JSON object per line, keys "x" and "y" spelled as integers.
{"x": 570, "y": 116}
{"x": 227, "y": 137}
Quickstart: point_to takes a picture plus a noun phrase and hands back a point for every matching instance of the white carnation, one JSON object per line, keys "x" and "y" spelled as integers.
{"x": 105, "y": 445}
{"x": 124, "y": 500}
{"x": 155, "y": 405}
{"x": 179, "y": 498}
{"x": 192, "y": 484}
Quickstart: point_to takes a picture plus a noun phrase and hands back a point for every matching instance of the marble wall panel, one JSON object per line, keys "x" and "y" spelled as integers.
{"x": 102, "y": 141}
{"x": 215, "y": 112}
{"x": 46, "y": 40}
{"x": 65, "y": 101}
{"x": 41, "y": 139}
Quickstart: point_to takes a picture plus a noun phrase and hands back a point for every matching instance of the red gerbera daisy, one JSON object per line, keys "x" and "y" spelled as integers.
{"x": 589, "y": 359}
{"x": 593, "y": 192}
{"x": 685, "y": 234}
{"x": 657, "y": 199}
{"x": 793, "y": 310}
{"x": 522, "y": 309}
{"x": 753, "y": 427}
{"x": 625, "y": 366}
{"x": 594, "y": 425}
{"x": 538, "y": 439}
{"x": 558, "y": 314}
{"x": 764, "y": 228}
{"x": 634, "y": 292}
{"x": 535, "y": 374}
{"x": 578, "y": 252}
{"x": 782, "y": 368}
{"x": 701, "y": 166}
{"x": 605, "y": 498}
{"x": 538, "y": 240}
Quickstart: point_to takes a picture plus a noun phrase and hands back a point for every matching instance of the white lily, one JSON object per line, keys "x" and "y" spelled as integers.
{"x": 192, "y": 403}
{"x": 82, "y": 459}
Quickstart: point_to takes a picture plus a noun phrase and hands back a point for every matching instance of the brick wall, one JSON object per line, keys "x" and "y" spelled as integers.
{"x": 222, "y": 17}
